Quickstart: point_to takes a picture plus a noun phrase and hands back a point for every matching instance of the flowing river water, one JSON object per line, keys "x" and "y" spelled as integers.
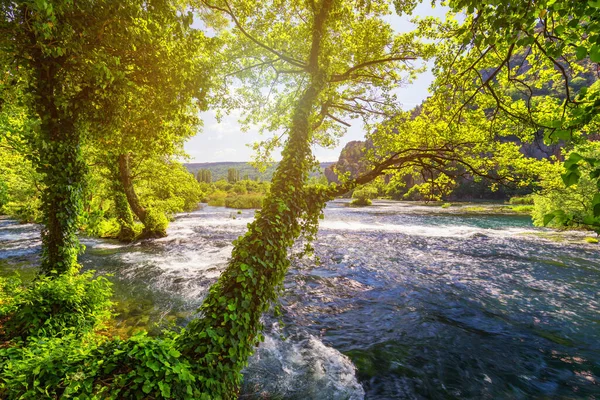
{"x": 405, "y": 303}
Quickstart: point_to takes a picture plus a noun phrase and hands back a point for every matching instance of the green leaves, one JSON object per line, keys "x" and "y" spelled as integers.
{"x": 581, "y": 52}
{"x": 595, "y": 53}
{"x": 572, "y": 174}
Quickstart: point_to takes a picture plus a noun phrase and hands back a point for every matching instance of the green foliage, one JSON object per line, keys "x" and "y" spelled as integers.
{"x": 20, "y": 195}
{"x": 233, "y": 175}
{"x": 69, "y": 367}
{"x": 168, "y": 186}
{"x": 243, "y": 194}
{"x": 523, "y": 209}
{"x": 48, "y": 307}
{"x": 204, "y": 175}
{"x": 560, "y": 206}
{"x": 363, "y": 196}
{"x": 591, "y": 240}
{"x": 3, "y": 193}
{"x": 446, "y": 205}
{"x": 245, "y": 201}
{"x": 217, "y": 198}
{"x": 155, "y": 224}
{"x": 521, "y": 200}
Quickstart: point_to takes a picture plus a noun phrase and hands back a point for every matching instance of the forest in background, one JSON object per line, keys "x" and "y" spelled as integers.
{"x": 97, "y": 98}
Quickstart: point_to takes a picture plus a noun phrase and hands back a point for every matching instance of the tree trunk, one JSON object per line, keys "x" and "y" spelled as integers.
{"x": 124, "y": 217}
{"x": 60, "y": 162}
{"x": 128, "y": 189}
{"x": 155, "y": 222}
{"x": 228, "y": 331}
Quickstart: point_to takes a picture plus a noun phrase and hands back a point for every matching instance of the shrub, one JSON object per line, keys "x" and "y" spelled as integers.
{"x": 218, "y": 202}
{"x": 217, "y": 198}
{"x": 245, "y": 201}
{"x": 363, "y": 196}
{"x": 521, "y": 200}
{"x": 50, "y": 306}
{"x": 155, "y": 223}
{"x": 561, "y": 207}
{"x": 67, "y": 367}
{"x": 361, "y": 202}
{"x": 24, "y": 212}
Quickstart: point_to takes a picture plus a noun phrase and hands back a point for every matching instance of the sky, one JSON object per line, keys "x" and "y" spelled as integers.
{"x": 224, "y": 140}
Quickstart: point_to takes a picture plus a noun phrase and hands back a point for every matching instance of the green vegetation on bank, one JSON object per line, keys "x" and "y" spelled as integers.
{"x": 242, "y": 194}
{"x": 99, "y": 97}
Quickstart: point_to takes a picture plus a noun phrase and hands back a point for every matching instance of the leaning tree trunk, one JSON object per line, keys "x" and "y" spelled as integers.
{"x": 155, "y": 223}
{"x": 124, "y": 217}
{"x": 229, "y": 329}
{"x": 128, "y": 189}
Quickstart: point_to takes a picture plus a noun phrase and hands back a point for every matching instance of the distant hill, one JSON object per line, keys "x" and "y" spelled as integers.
{"x": 219, "y": 169}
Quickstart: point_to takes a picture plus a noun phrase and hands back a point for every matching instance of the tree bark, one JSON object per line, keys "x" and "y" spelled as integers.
{"x": 60, "y": 162}
{"x": 128, "y": 189}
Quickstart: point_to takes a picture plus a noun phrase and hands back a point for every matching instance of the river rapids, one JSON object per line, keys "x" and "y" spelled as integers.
{"x": 403, "y": 303}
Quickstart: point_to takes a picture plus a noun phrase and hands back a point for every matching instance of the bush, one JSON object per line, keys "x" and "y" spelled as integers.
{"x": 245, "y": 201}
{"x": 24, "y": 212}
{"x": 363, "y": 196}
{"x": 521, "y": 200}
{"x": 50, "y": 306}
{"x": 67, "y": 367}
{"x": 361, "y": 202}
{"x": 217, "y": 198}
{"x": 561, "y": 207}
{"x": 155, "y": 223}
{"x": 219, "y": 202}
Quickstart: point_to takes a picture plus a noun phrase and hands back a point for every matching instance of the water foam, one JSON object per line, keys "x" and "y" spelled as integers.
{"x": 301, "y": 367}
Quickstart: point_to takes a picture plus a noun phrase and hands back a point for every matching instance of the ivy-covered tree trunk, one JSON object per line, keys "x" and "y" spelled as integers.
{"x": 60, "y": 162}
{"x": 155, "y": 223}
{"x": 124, "y": 216}
{"x": 128, "y": 189}
{"x": 228, "y": 331}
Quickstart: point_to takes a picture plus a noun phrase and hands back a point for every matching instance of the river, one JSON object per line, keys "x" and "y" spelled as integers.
{"x": 405, "y": 303}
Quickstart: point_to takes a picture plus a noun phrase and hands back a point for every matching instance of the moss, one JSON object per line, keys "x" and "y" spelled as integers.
{"x": 446, "y": 205}
{"x": 591, "y": 240}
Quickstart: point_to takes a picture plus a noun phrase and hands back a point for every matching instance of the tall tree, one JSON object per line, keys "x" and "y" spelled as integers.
{"x": 344, "y": 60}
{"x": 531, "y": 64}
{"x": 72, "y": 61}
